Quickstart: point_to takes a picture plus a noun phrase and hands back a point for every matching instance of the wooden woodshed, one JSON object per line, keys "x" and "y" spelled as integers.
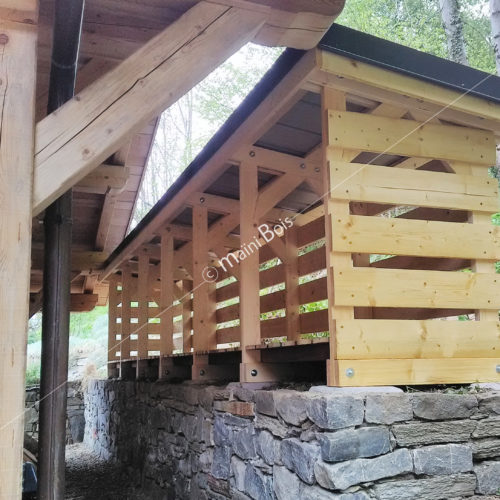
{"x": 339, "y": 223}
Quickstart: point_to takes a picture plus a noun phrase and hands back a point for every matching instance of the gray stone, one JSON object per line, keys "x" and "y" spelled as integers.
{"x": 300, "y": 457}
{"x": 490, "y": 427}
{"x": 488, "y": 478}
{"x": 489, "y": 403}
{"x": 222, "y": 433}
{"x": 257, "y": 485}
{"x": 437, "y": 406}
{"x": 435, "y": 488}
{"x": 492, "y": 386}
{"x": 286, "y": 484}
{"x": 486, "y": 448}
{"x": 442, "y": 459}
{"x": 324, "y": 389}
{"x": 388, "y": 408}
{"x": 433, "y": 432}
{"x": 239, "y": 468}
{"x": 291, "y": 406}
{"x": 264, "y": 403}
{"x": 317, "y": 493}
{"x": 244, "y": 443}
{"x": 265, "y": 446}
{"x": 222, "y": 462}
{"x": 345, "y": 474}
{"x": 273, "y": 425}
{"x": 336, "y": 412}
{"x": 350, "y": 443}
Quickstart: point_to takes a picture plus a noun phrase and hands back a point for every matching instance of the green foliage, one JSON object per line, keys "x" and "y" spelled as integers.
{"x": 417, "y": 24}
{"x": 33, "y": 373}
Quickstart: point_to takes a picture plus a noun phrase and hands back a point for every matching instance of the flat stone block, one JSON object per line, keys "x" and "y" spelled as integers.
{"x": 418, "y": 433}
{"x": 324, "y": 389}
{"x": 336, "y": 412}
{"x": 442, "y": 459}
{"x": 488, "y": 478}
{"x": 437, "y": 406}
{"x": 388, "y": 408}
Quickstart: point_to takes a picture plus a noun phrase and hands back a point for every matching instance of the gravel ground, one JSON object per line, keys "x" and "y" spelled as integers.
{"x": 91, "y": 478}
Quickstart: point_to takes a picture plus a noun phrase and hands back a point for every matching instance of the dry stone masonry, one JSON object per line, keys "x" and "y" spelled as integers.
{"x": 191, "y": 441}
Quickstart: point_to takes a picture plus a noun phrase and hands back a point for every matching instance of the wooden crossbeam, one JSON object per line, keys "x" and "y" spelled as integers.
{"x": 90, "y": 127}
{"x": 104, "y": 179}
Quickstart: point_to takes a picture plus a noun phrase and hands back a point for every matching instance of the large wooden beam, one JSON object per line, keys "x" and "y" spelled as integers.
{"x": 17, "y": 116}
{"x": 85, "y": 131}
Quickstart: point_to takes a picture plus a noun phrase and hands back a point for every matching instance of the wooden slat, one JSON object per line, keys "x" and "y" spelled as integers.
{"x": 292, "y": 285}
{"x": 126, "y": 298}
{"x": 314, "y": 322}
{"x": 167, "y": 293}
{"x": 418, "y": 371}
{"x": 379, "y": 339}
{"x": 379, "y": 134}
{"x": 371, "y": 183}
{"x": 142, "y": 310}
{"x": 312, "y": 261}
{"x": 402, "y": 288}
{"x": 392, "y": 236}
{"x": 422, "y": 263}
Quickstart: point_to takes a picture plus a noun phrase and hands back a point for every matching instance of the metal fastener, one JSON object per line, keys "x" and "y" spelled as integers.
{"x": 302, "y": 165}
{"x": 252, "y": 154}
{"x": 254, "y": 372}
{"x": 350, "y": 372}
{"x": 202, "y": 372}
{"x": 498, "y": 368}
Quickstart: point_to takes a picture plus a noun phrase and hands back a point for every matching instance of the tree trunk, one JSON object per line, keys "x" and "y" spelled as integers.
{"x": 453, "y": 27}
{"x": 495, "y": 30}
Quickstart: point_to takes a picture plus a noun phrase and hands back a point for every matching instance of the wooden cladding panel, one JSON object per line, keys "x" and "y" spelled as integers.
{"x": 404, "y": 288}
{"x": 406, "y": 339}
{"x": 380, "y": 134}
{"x": 391, "y": 236}
{"x": 376, "y": 184}
{"x": 417, "y": 371}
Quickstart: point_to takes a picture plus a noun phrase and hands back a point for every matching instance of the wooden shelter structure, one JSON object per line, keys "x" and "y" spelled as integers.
{"x": 338, "y": 223}
{"x": 136, "y": 59}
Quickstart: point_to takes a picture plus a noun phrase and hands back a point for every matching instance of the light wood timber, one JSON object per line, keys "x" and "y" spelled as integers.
{"x": 451, "y": 100}
{"x": 418, "y": 371}
{"x": 126, "y": 298}
{"x": 104, "y": 179}
{"x": 249, "y": 269}
{"x": 403, "y": 288}
{"x": 142, "y": 311}
{"x": 204, "y": 305}
{"x": 167, "y": 293}
{"x": 91, "y": 126}
{"x": 406, "y": 339}
{"x": 18, "y": 33}
{"x": 393, "y": 236}
{"x": 376, "y": 184}
{"x": 292, "y": 293}
{"x": 83, "y": 302}
{"x": 410, "y": 138}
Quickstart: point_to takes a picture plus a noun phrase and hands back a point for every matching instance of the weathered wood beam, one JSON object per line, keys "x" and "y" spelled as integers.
{"x": 80, "y": 260}
{"x": 18, "y": 36}
{"x": 91, "y": 127}
{"x": 83, "y": 302}
{"x": 104, "y": 179}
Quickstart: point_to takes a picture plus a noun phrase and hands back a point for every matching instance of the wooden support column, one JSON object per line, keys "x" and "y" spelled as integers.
{"x": 114, "y": 328}
{"x": 292, "y": 285}
{"x": 18, "y": 36}
{"x": 125, "y": 372}
{"x": 249, "y": 274}
{"x": 204, "y": 305}
{"x": 142, "y": 315}
{"x": 336, "y": 261}
{"x": 187, "y": 321}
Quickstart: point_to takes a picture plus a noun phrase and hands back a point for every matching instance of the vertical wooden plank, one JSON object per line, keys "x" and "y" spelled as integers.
{"x": 204, "y": 326}
{"x": 292, "y": 285}
{"x": 126, "y": 298}
{"x": 249, "y": 271}
{"x": 17, "y": 106}
{"x": 114, "y": 328}
{"x": 142, "y": 326}
{"x": 333, "y": 99}
{"x": 187, "y": 324}
{"x": 167, "y": 294}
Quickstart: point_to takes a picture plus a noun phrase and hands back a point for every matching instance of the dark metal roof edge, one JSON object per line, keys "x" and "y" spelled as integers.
{"x": 264, "y": 87}
{"x": 405, "y": 60}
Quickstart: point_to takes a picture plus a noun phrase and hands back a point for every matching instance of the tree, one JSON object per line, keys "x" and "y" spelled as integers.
{"x": 495, "y": 30}
{"x": 453, "y": 28}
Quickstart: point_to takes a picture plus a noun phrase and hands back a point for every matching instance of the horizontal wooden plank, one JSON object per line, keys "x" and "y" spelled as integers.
{"x": 310, "y": 232}
{"x": 314, "y": 322}
{"x": 403, "y": 288}
{"x": 392, "y": 236}
{"x": 312, "y": 261}
{"x": 418, "y": 371}
{"x": 381, "y": 134}
{"x": 400, "y": 339}
{"x": 376, "y": 184}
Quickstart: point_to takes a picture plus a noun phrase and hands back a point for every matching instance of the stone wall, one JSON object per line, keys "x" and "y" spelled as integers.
{"x": 193, "y": 441}
{"x": 75, "y": 422}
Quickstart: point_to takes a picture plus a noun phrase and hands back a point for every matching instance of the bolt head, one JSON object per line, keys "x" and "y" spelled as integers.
{"x": 202, "y": 200}
{"x": 252, "y": 154}
{"x": 202, "y": 373}
{"x": 349, "y": 372}
{"x": 498, "y": 368}
{"x": 254, "y": 372}
{"x": 302, "y": 165}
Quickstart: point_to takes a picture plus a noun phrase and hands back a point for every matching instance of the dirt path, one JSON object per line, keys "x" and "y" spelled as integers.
{"x": 88, "y": 477}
